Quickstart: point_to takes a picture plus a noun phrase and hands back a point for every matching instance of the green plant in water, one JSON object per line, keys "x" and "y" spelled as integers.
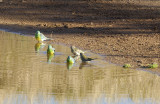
{"x": 127, "y": 66}
{"x": 153, "y": 65}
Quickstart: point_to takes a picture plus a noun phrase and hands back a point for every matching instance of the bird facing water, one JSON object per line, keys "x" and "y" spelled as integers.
{"x": 85, "y": 58}
{"x": 70, "y": 59}
{"x": 50, "y": 50}
{"x": 40, "y": 37}
{"x": 76, "y": 51}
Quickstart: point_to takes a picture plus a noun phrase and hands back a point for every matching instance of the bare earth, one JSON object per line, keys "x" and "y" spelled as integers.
{"x": 121, "y": 32}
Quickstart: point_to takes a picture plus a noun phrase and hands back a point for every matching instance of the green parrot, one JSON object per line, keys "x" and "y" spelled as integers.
{"x": 82, "y": 65}
{"x": 76, "y": 51}
{"x": 40, "y": 37}
{"x": 50, "y": 50}
{"x": 70, "y": 60}
{"x": 153, "y": 65}
{"x": 126, "y": 66}
{"x": 84, "y": 58}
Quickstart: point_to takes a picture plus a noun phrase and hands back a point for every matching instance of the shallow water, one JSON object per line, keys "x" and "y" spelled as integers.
{"x": 27, "y": 76}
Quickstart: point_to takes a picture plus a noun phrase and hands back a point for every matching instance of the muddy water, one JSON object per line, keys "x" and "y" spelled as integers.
{"x": 28, "y": 76}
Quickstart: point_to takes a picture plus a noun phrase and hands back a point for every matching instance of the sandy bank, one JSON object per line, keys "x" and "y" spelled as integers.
{"x": 122, "y": 33}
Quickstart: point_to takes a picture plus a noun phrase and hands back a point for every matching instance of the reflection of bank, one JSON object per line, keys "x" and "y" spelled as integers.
{"x": 38, "y": 46}
{"x": 49, "y": 57}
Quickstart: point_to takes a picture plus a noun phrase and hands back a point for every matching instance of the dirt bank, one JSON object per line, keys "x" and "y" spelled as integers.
{"x": 122, "y": 33}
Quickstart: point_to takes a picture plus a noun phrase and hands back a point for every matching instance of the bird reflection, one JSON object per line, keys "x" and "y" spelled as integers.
{"x": 85, "y": 64}
{"x": 39, "y": 46}
{"x": 49, "y": 57}
{"x": 69, "y": 65}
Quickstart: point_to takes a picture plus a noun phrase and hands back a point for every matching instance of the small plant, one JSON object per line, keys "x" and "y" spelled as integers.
{"x": 153, "y": 65}
{"x": 126, "y": 66}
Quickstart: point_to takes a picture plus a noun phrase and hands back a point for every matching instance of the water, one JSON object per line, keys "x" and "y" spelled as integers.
{"x": 28, "y": 77}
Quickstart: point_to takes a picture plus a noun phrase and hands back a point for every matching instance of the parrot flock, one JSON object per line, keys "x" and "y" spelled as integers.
{"x": 51, "y": 51}
{"x": 76, "y": 52}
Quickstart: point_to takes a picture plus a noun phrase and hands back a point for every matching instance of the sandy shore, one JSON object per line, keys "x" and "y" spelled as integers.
{"x": 122, "y": 33}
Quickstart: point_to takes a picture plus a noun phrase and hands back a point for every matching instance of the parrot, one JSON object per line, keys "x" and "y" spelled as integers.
{"x": 76, "y": 51}
{"x": 40, "y": 37}
{"x": 84, "y": 58}
{"x": 50, "y": 50}
{"x": 70, "y": 59}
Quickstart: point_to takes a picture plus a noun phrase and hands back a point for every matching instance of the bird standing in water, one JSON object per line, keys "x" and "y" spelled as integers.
{"x": 40, "y": 37}
{"x": 50, "y": 50}
{"x": 76, "y": 51}
{"x": 70, "y": 60}
{"x": 85, "y": 58}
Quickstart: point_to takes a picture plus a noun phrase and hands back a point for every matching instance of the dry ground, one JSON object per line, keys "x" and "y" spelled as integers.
{"x": 121, "y": 32}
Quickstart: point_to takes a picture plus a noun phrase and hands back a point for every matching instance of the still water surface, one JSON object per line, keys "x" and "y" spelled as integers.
{"x": 27, "y": 76}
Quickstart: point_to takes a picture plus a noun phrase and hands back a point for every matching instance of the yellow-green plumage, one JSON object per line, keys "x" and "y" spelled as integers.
{"x": 37, "y": 36}
{"x": 70, "y": 60}
{"x": 40, "y": 37}
{"x": 84, "y": 58}
{"x": 69, "y": 65}
{"x": 49, "y": 57}
{"x": 50, "y": 50}
{"x": 127, "y": 66}
{"x": 153, "y": 65}
{"x": 39, "y": 46}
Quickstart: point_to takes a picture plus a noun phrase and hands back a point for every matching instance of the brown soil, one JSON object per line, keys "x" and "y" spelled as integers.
{"x": 121, "y": 32}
